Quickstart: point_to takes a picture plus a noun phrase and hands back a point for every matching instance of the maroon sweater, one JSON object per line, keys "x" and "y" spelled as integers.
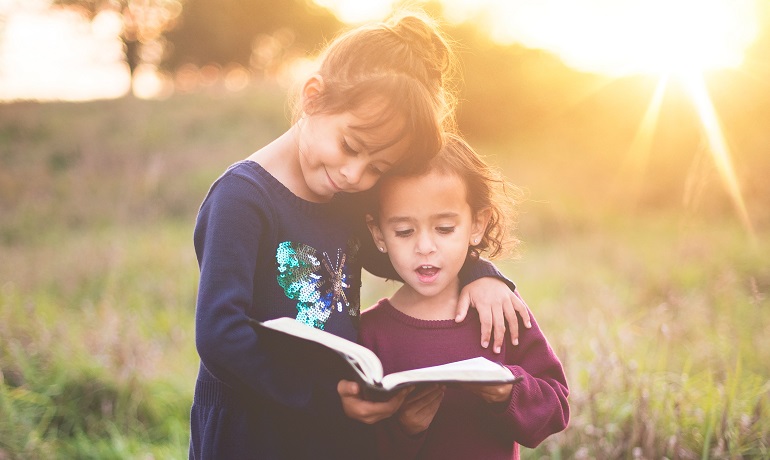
{"x": 466, "y": 427}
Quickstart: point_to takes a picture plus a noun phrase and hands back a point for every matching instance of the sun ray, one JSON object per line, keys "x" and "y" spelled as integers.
{"x": 717, "y": 145}
{"x": 621, "y": 38}
{"x": 641, "y": 146}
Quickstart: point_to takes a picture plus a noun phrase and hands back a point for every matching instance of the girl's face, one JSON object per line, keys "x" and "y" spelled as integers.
{"x": 335, "y": 155}
{"x": 426, "y": 225}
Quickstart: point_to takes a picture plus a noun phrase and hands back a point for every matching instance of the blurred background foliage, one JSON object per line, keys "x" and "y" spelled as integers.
{"x": 641, "y": 273}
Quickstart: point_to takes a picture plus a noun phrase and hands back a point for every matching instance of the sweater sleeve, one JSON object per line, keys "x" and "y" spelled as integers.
{"x": 227, "y": 238}
{"x": 538, "y": 406}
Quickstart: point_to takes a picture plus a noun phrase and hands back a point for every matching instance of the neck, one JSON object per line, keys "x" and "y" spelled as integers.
{"x": 436, "y": 307}
{"x": 281, "y": 159}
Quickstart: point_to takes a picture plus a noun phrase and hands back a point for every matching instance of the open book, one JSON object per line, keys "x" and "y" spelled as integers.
{"x": 365, "y": 367}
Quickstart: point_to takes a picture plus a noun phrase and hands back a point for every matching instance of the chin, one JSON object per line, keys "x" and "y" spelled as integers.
{"x": 431, "y": 291}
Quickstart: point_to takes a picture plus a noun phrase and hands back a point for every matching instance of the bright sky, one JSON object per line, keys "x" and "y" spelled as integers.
{"x": 50, "y": 55}
{"x": 617, "y": 37}
{"x": 612, "y": 37}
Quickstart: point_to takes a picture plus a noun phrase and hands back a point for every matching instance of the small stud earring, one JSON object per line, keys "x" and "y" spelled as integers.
{"x": 476, "y": 241}
{"x": 382, "y": 249}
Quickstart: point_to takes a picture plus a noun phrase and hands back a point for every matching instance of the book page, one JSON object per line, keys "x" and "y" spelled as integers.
{"x": 470, "y": 370}
{"x": 363, "y": 359}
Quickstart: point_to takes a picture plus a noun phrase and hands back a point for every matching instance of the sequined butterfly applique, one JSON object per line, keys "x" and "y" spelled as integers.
{"x": 319, "y": 284}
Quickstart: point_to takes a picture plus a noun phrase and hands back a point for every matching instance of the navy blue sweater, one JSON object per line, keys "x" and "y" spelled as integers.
{"x": 265, "y": 253}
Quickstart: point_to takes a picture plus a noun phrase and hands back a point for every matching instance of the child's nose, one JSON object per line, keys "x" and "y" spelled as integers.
{"x": 425, "y": 244}
{"x": 353, "y": 171}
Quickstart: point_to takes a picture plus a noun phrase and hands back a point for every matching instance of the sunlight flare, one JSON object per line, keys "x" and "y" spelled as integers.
{"x": 48, "y": 54}
{"x": 641, "y": 145}
{"x": 717, "y": 145}
{"x": 666, "y": 38}
{"x": 357, "y": 11}
{"x": 623, "y": 37}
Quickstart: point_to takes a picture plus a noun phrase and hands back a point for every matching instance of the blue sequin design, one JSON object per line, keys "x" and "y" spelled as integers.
{"x": 319, "y": 284}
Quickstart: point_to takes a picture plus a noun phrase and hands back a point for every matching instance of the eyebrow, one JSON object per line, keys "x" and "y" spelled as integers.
{"x": 398, "y": 219}
{"x": 442, "y": 215}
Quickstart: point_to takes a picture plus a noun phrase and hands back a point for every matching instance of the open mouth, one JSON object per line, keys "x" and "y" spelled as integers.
{"x": 427, "y": 273}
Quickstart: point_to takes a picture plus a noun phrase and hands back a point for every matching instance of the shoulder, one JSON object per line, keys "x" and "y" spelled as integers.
{"x": 245, "y": 189}
{"x": 236, "y": 206}
{"x": 375, "y": 311}
{"x": 242, "y": 177}
{"x": 375, "y": 315}
{"x": 372, "y": 322}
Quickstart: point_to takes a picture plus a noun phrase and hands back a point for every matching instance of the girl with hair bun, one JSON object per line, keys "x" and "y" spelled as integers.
{"x": 282, "y": 233}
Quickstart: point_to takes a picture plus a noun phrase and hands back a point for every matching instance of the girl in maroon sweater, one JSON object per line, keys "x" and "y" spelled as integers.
{"x": 427, "y": 224}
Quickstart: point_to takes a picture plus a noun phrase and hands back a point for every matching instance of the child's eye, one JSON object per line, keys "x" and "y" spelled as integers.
{"x": 348, "y": 149}
{"x": 446, "y": 229}
{"x": 403, "y": 233}
{"x": 375, "y": 170}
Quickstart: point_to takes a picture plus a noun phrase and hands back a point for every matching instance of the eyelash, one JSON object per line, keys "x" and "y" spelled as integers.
{"x": 351, "y": 151}
{"x": 407, "y": 233}
{"x": 348, "y": 149}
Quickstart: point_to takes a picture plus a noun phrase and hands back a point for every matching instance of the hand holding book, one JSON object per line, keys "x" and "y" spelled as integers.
{"x": 356, "y": 407}
{"x": 362, "y": 365}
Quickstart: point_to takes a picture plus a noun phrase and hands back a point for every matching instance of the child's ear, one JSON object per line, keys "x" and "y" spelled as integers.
{"x": 379, "y": 241}
{"x": 479, "y": 226}
{"x": 312, "y": 88}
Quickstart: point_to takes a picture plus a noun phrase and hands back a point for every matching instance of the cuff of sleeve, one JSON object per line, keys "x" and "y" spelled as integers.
{"x": 510, "y": 407}
{"x": 477, "y": 268}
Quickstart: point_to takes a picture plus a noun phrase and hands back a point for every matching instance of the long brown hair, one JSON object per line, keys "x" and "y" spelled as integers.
{"x": 405, "y": 62}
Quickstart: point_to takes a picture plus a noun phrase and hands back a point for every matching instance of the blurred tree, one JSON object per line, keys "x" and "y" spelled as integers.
{"x": 144, "y": 23}
{"x": 238, "y": 31}
{"x": 508, "y": 88}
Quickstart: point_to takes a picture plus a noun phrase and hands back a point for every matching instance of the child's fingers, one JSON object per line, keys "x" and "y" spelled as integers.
{"x": 462, "y": 307}
{"x": 387, "y": 408}
{"x": 347, "y": 388}
{"x": 401, "y": 396}
{"x": 520, "y": 306}
{"x": 431, "y": 401}
{"x": 490, "y": 393}
{"x": 512, "y": 320}
{"x": 485, "y": 318}
{"x": 498, "y": 325}
{"x": 367, "y": 411}
{"x": 416, "y": 415}
{"x": 420, "y": 392}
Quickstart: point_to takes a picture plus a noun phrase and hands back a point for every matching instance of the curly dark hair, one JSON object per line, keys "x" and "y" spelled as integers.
{"x": 486, "y": 189}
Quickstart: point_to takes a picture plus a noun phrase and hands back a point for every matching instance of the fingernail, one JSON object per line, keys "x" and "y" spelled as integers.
{"x": 485, "y": 344}
{"x": 497, "y": 349}
{"x": 529, "y": 324}
{"x": 515, "y": 341}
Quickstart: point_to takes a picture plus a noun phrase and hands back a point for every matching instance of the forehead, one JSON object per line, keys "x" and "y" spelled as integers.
{"x": 377, "y": 124}
{"x": 429, "y": 193}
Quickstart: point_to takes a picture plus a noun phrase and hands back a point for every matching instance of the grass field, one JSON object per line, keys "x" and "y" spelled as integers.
{"x": 659, "y": 311}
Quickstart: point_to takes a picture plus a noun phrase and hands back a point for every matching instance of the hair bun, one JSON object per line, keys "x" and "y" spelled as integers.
{"x": 421, "y": 34}
{"x": 408, "y": 63}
